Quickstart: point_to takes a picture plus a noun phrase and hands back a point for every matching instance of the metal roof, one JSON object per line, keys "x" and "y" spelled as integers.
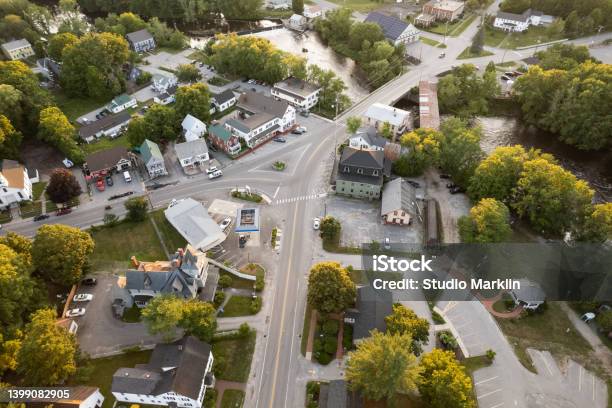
{"x": 391, "y": 27}
{"x": 398, "y": 195}
{"x": 191, "y": 220}
{"x": 190, "y": 149}
{"x": 385, "y": 113}
{"x": 16, "y": 44}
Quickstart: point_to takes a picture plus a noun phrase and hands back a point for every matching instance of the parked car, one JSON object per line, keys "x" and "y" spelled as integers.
{"x": 89, "y": 281}
{"x": 280, "y": 139}
{"x": 211, "y": 170}
{"x": 63, "y": 211}
{"x": 100, "y": 184}
{"x": 505, "y": 78}
{"x": 41, "y": 217}
{"x": 442, "y": 55}
{"x": 68, "y": 163}
{"x": 109, "y": 180}
{"x": 215, "y": 174}
{"x": 75, "y": 312}
{"x": 456, "y": 190}
{"x": 305, "y": 113}
{"x": 451, "y": 185}
{"x": 316, "y": 223}
{"x": 387, "y": 243}
{"x": 414, "y": 183}
{"x": 225, "y": 223}
{"x": 82, "y": 297}
{"x": 127, "y": 177}
{"x": 300, "y": 129}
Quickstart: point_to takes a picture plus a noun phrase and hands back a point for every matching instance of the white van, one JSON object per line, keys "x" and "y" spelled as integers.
{"x": 127, "y": 177}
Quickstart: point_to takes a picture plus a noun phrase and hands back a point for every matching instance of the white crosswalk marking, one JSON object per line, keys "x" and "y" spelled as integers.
{"x": 288, "y": 200}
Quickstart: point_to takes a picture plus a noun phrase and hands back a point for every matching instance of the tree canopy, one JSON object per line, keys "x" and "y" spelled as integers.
{"x": 382, "y": 366}
{"x": 489, "y": 221}
{"x": 404, "y": 321}
{"x": 442, "y": 382}
{"x": 138, "y": 208}
{"x": 194, "y": 100}
{"x": 63, "y": 186}
{"x": 465, "y": 93}
{"x": 55, "y": 129}
{"x": 564, "y": 56}
{"x": 422, "y": 150}
{"x": 330, "y": 288}
{"x": 460, "y": 151}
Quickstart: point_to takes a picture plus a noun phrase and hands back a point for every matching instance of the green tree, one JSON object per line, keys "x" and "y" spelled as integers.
{"x": 550, "y": 197}
{"x": 22, "y": 247}
{"x": 330, "y": 288}
{"x": 198, "y": 319}
{"x": 297, "y": 6}
{"x": 465, "y": 93}
{"x": 188, "y": 73}
{"x": 137, "y": 131}
{"x": 604, "y": 319}
{"x": 362, "y": 32}
{"x": 162, "y": 315}
{"x": 405, "y": 321}
{"x": 489, "y": 221}
{"x": 383, "y": 366}
{"x": 137, "y": 208}
{"x": 225, "y": 281}
{"x": 55, "y": 128}
{"x": 9, "y": 350}
{"x": 161, "y": 124}
{"x": 335, "y": 28}
{"x": 60, "y": 252}
{"x": 10, "y": 139}
{"x": 598, "y": 225}
{"x": 48, "y": 352}
{"x": 460, "y": 151}
{"x": 477, "y": 42}
{"x": 423, "y": 150}
{"x": 15, "y": 285}
{"x": 63, "y": 186}
{"x": 353, "y": 124}
{"x": 94, "y": 65}
{"x": 564, "y": 56}
{"x": 194, "y": 100}
{"x": 58, "y": 43}
{"x": 330, "y": 228}
{"x": 443, "y": 382}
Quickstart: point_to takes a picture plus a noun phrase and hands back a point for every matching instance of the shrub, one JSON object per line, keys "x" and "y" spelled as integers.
{"x": 143, "y": 78}
{"x": 448, "y": 340}
{"x": 325, "y": 358}
{"x": 347, "y": 338}
{"x": 490, "y": 354}
{"x": 219, "y": 299}
{"x": 110, "y": 219}
{"x": 210, "y": 398}
{"x": 255, "y": 305}
{"x": 330, "y": 345}
{"x": 330, "y": 327}
{"x": 225, "y": 281}
{"x": 244, "y": 330}
{"x": 317, "y": 346}
{"x": 259, "y": 283}
{"x": 437, "y": 318}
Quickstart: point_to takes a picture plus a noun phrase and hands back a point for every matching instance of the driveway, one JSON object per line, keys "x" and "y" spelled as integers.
{"x": 100, "y": 333}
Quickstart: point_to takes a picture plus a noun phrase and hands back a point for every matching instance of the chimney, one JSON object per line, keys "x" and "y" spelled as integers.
{"x": 134, "y": 261}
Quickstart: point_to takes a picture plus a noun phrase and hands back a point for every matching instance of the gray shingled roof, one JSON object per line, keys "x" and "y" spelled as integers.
{"x": 362, "y": 158}
{"x": 224, "y": 96}
{"x": 190, "y": 149}
{"x": 256, "y": 102}
{"x": 139, "y": 36}
{"x": 391, "y": 26}
{"x": 398, "y": 195}
{"x": 515, "y": 17}
{"x": 16, "y": 44}
{"x": 371, "y": 309}
{"x": 106, "y": 122}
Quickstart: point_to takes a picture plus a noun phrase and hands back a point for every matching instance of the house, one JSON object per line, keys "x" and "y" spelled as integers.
{"x": 183, "y": 276}
{"x": 224, "y": 100}
{"x": 395, "y": 30}
{"x": 121, "y": 103}
{"x": 371, "y": 308}
{"x": 152, "y": 159}
{"x": 260, "y": 118}
{"x": 378, "y": 114}
{"x": 297, "y": 92}
{"x": 167, "y": 97}
{"x": 80, "y": 396}
{"x": 223, "y": 139}
{"x": 336, "y": 394}
{"x": 429, "y": 115}
{"x": 115, "y": 159}
{"x": 278, "y": 4}
{"x": 529, "y": 295}
{"x": 297, "y": 21}
{"x": 141, "y": 40}
{"x": 399, "y": 203}
{"x": 312, "y": 11}
{"x": 110, "y": 126}
{"x": 440, "y": 10}
{"x": 15, "y": 183}
{"x": 191, "y": 220}
{"x": 360, "y": 173}
{"x": 178, "y": 374}
{"x": 161, "y": 83}
{"x": 368, "y": 139}
{"x": 512, "y": 22}
{"x": 192, "y": 155}
{"x": 193, "y": 128}
{"x": 18, "y": 49}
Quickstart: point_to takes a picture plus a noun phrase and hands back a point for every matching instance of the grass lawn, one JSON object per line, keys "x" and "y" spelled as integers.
{"x": 50, "y": 206}
{"x": 532, "y": 36}
{"x": 454, "y": 29}
{"x": 237, "y": 306}
{"x": 232, "y": 399}
{"x": 104, "y": 368}
{"x": 333, "y": 245}
{"x": 75, "y": 107}
{"x": 106, "y": 143}
{"x": 237, "y": 355}
{"x": 218, "y": 81}
{"x": 429, "y": 41}
{"x": 467, "y": 53}
{"x": 172, "y": 239}
{"x": 306, "y": 329}
{"x": 550, "y": 330}
{"x": 30, "y": 208}
{"x": 256, "y": 198}
{"x": 358, "y": 5}
{"x": 115, "y": 246}
{"x": 472, "y": 364}
{"x": 37, "y": 189}
{"x": 238, "y": 283}
{"x": 5, "y": 216}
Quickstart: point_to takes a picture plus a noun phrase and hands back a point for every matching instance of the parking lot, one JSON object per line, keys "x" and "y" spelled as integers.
{"x": 362, "y": 223}
{"x": 120, "y": 186}
{"x": 99, "y": 331}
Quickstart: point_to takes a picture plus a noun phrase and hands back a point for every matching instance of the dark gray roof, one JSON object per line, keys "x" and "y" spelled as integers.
{"x": 224, "y": 96}
{"x": 106, "y": 159}
{"x": 391, "y": 26}
{"x": 362, "y": 158}
{"x": 523, "y": 17}
{"x": 190, "y": 149}
{"x": 529, "y": 292}
{"x": 139, "y": 36}
{"x": 106, "y": 122}
{"x": 254, "y": 102}
{"x": 296, "y": 86}
{"x": 360, "y": 178}
{"x": 179, "y": 367}
{"x": 372, "y": 136}
{"x": 371, "y": 309}
{"x": 398, "y": 195}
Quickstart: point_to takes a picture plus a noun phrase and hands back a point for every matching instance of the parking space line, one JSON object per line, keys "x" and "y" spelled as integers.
{"x": 580, "y": 379}
{"x": 462, "y": 326}
{"x": 484, "y": 381}
{"x": 489, "y": 393}
{"x": 497, "y": 405}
